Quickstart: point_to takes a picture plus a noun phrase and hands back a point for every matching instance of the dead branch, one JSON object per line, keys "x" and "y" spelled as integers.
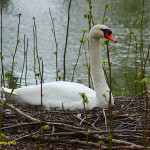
{"x": 22, "y": 113}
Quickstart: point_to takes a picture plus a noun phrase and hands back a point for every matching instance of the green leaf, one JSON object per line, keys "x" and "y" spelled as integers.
{"x": 92, "y": 5}
{"x": 114, "y": 93}
{"x": 84, "y": 97}
{"x": 55, "y": 52}
{"x": 109, "y": 137}
{"x": 15, "y": 62}
{"x": 84, "y": 31}
{"x": 40, "y": 58}
{"x": 2, "y": 136}
{"x": 86, "y": 133}
{"x": 7, "y": 74}
{"x": 123, "y": 93}
{"x": 37, "y": 74}
{"x": 104, "y": 62}
{"x": 2, "y": 57}
{"x": 100, "y": 143}
{"x": 102, "y": 43}
{"x": 145, "y": 81}
{"x": 46, "y": 127}
{"x": 86, "y": 64}
{"x": 106, "y": 5}
{"x": 18, "y": 40}
{"x": 85, "y": 15}
{"x": 132, "y": 32}
{"x": 106, "y": 19}
{"x": 104, "y": 95}
{"x": 138, "y": 22}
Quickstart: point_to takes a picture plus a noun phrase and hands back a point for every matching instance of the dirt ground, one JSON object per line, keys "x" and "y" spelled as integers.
{"x": 68, "y": 129}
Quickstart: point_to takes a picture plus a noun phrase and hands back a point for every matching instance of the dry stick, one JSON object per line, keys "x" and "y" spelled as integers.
{"x": 87, "y": 128}
{"x": 18, "y": 125}
{"x": 146, "y": 118}
{"x": 12, "y": 69}
{"x": 23, "y": 60}
{"x": 120, "y": 142}
{"x": 41, "y": 104}
{"x": 67, "y": 34}
{"x": 26, "y": 63}
{"x": 89, "y": 20}
{"x": 1, "y": 53}
{"x": 110, "y": 99}
{"x": 53, "y": 30}
{"x": 146, "y": 94}
{"x": 34, "y": 36}
{"x": 141, "y": 47}
{"x": 77, "y": 131}
{"x": 78, "y": 57}
{"x": 2, "y": 75}
{"x": 36, "y": 56}
{"x": 71, "y": 128}
{"x": 142, "y": 67}
{"x": 22, "y": 113}
{"x": 90, "y": 14}
{"x": 104, "y": 16}
{"x": 133, "y": 146}
{"x": 126, "y": 73}
{"x": 146, "y": 59}
{"x": 136, "y": 66}
{"x": 73, "y": 133}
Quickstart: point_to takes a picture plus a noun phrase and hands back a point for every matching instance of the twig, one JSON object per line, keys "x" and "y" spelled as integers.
{"x": 1, "y": 53}
{"x": 41, "y": 116}
{"x": 78, "y": 57}
{"x": 17, "y": 43}
{"x": 22, "y": 113}
{"x": 19, "y": 125}
{"x": 53, "y": 30}
{"x": 67, "y": 34}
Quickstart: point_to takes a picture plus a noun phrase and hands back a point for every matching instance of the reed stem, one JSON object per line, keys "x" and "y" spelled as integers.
{"x": 79, "y": 54}
{"x": 26, "y": 62}
{"x": 110, "y": 98}
{"x": 17, "y": 43}
{"x": 1, "y": 53}
{"x": 53, "y": 30}
{"x": 66, "y": 43}
{"x": 41, "y": 116}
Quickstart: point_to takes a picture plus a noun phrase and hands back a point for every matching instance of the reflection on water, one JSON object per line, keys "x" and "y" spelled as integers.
{"x": 123, "y": 17}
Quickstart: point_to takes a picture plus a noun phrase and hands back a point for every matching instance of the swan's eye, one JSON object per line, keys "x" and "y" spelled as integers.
{"x": 109, "y": 32}
{"x": 106, "y": 31}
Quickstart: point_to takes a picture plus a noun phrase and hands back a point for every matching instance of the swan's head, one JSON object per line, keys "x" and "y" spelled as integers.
{"x": 101, "y": 31}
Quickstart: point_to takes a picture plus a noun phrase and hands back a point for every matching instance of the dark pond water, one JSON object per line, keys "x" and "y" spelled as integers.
{"x": 123, "y": 15}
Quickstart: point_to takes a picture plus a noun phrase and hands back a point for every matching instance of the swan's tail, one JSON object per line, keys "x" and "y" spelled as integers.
{"x": 7, "y": 91}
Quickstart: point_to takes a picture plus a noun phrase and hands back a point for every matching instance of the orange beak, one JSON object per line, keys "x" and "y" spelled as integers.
{"x": 110, "y": 37}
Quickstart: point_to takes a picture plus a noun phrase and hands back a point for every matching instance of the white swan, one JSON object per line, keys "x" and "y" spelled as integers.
{"x": 67, "y": 93}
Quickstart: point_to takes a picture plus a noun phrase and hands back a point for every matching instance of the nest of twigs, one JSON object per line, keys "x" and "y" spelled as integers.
{"x": 21, "y": 124}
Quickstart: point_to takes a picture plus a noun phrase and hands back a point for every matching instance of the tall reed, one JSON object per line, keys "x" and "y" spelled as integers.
{"x": 24, "y": 60}
{"x": 110, "y": 98}
{"x": 79, "y": 53}
{"x": 26, "y": 52}
{"x": 66, "y": 43}
{"x": 56, "y": 51}
{"x": 126, "y": 64}
{"x": 14, "y": 54}
{"x": 41, "y": 115}
{"x": 1, "y": 53}
{"x": 36, "y": 55}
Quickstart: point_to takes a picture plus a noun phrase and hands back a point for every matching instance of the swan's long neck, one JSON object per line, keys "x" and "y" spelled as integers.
{"x": 97, "y": 72}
